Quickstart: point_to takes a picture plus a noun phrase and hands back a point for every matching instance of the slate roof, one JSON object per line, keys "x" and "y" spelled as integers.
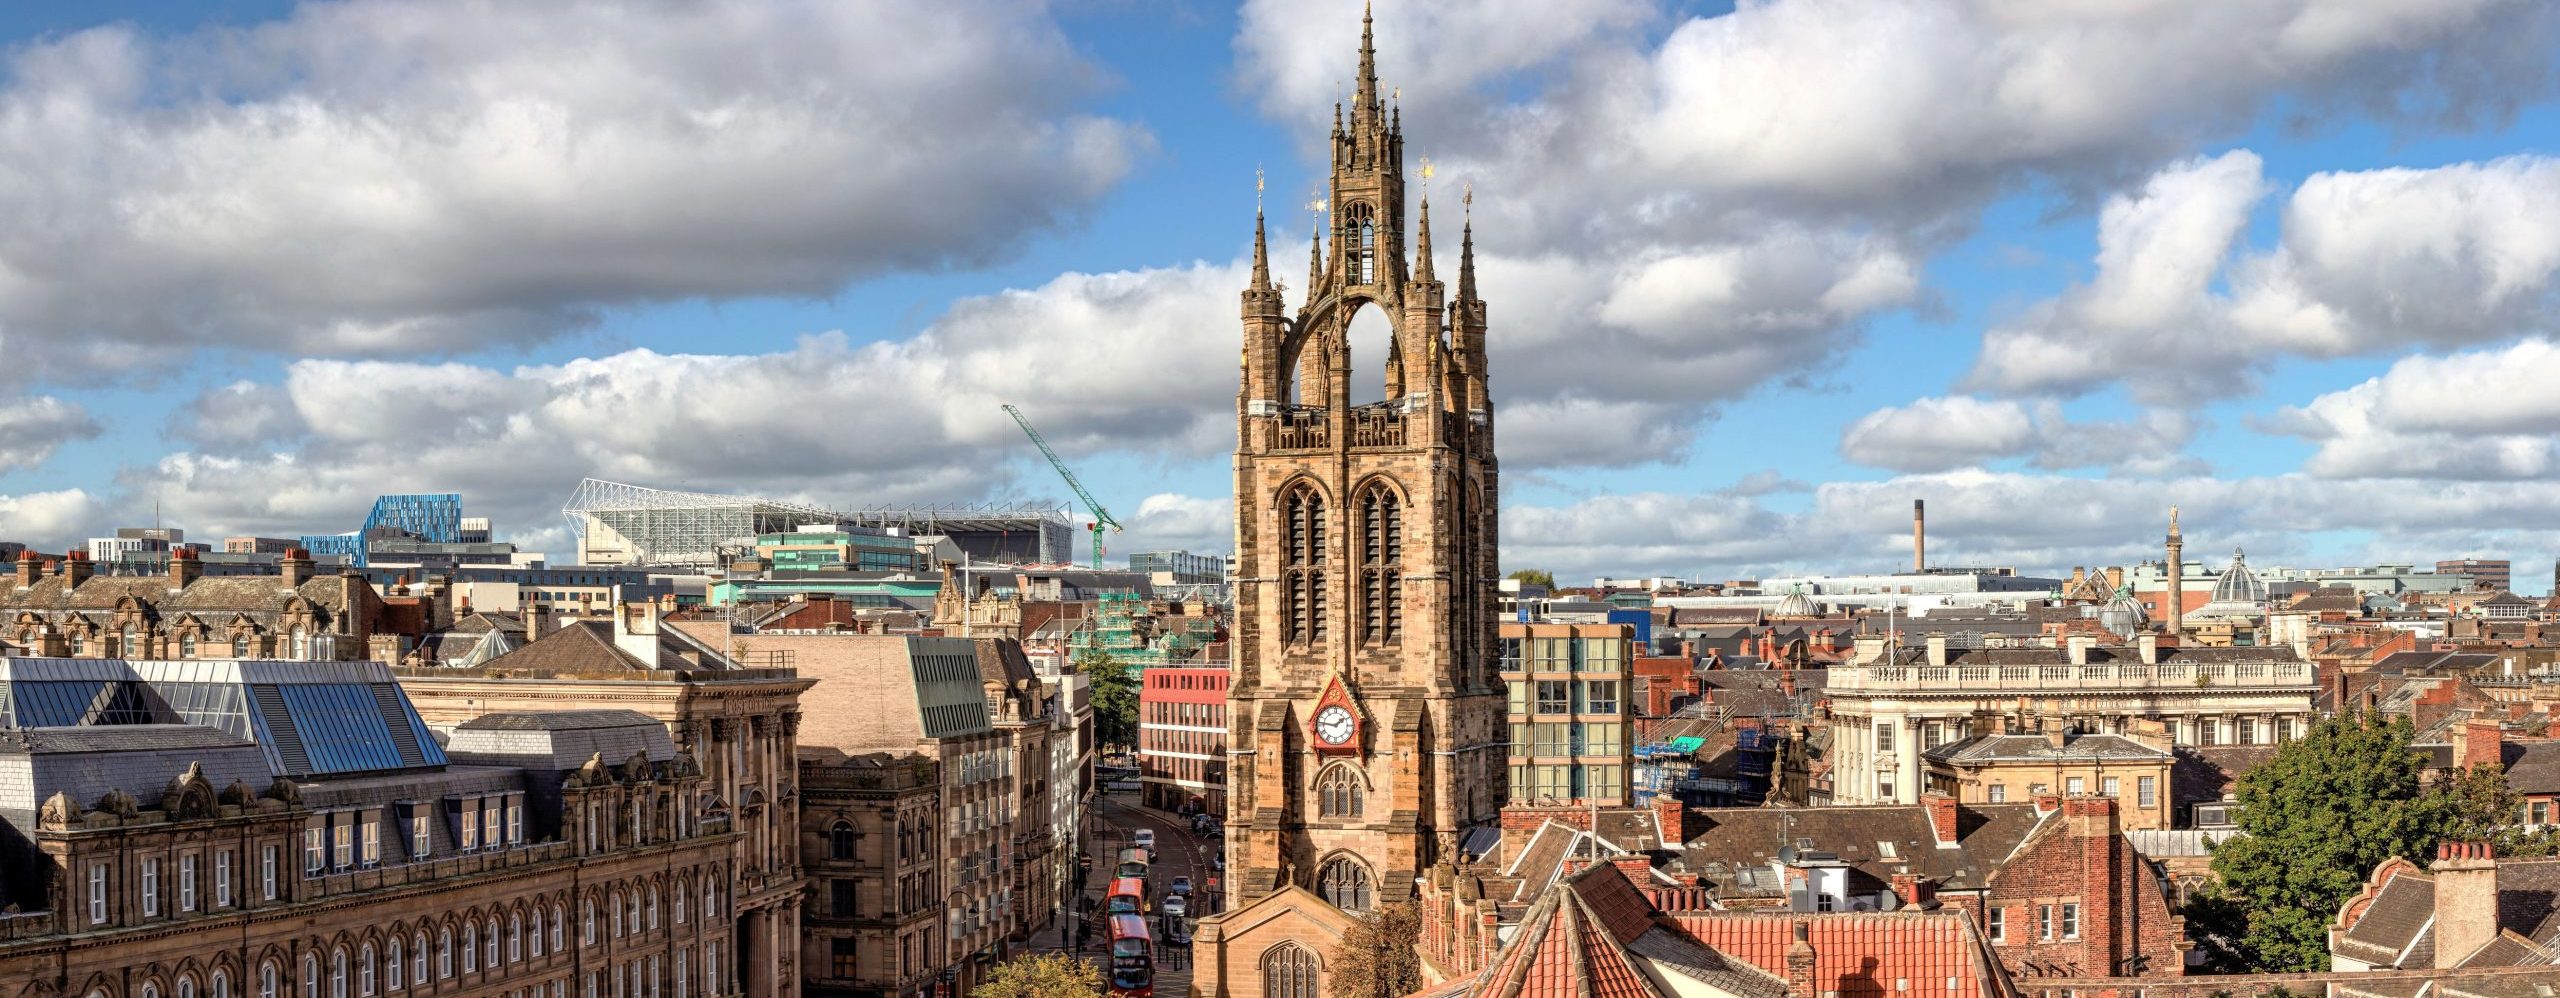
{"x": 2532, "y": 767}
{"x": 247, "y": 593}
{"x": 2039, "y": 748}
{"x": 2207, "y": 773}
{"x": 586, "y": 646}
{"x": 1735, "y": 838}
{"x": 559, "y": 741}
{"x": 84, "y": 763}
{"x": 2400, "y": 919}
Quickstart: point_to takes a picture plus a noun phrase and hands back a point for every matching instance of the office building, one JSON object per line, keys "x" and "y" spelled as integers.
{"x": 1569, "y": 710}
{"x": 1182, "y": 738}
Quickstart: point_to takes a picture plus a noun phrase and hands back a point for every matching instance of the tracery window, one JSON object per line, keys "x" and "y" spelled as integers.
{"x": 1381, "y": 564}
{"x": 1345, "y": 883}
{"x": 1289, "y": 971}
{"x": 1365, "y": 230}
{"x": 1303, "y": 563}
{"x": 1338, "y": 793}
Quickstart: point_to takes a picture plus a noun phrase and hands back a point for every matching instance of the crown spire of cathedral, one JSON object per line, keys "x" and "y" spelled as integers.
{"x": 1261, "y": 255}
{"x": 1422, "y": 246}
{"x": 1368, "y": 96}
{"x": 1467, "y": 250}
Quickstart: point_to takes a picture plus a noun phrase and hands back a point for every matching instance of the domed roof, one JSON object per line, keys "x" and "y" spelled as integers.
{"x": 2124, "y": 603}
{"x": 2238, "y": 583}
{"x": 1797, "y": 604}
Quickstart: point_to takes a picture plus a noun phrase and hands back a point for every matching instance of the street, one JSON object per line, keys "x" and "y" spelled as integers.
{"x": 1178, "y": 854}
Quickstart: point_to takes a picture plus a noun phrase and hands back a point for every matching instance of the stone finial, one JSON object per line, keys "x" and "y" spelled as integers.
{"x": 284, "y": 790}
{"x": 120, "y": 804}
{"x": 58, "y": 811}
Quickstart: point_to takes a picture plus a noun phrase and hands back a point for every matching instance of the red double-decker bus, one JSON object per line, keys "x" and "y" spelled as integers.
{"x": 1133, "y": 958}
{"x": 1127, "y": 896}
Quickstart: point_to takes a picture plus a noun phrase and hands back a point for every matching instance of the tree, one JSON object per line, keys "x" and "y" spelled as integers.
{"x": 1041, "y": 975}
{"x": 1378, "y": 958}
{"x": 1115, "y": 697}
{"x": 1535, "y": 577}
{"x": 2319, "y": 816}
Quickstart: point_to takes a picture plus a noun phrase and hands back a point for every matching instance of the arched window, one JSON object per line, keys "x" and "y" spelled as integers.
{"x": 267, "y": 975}
{"x": 559, "y": 925}
{"x": 150, "y": 989}
{"x": 391, "y": 957}
{"x": 634, "y": 901}
{"x": 129, "y": 644}
{"x": 221, "y": 984}
{"x": 364, "y": 970}
{"x": 444, "y": 953}
{"x": 187, "y": 645}
{"x": 840, "y": 841}
{"x": 1303, "y": 558}
{"x": 1338, "y": 793}
{"x": 310, "y": 976}
{"x": 681, "y": 894}
{"x": 418, "y": 958}
{"x": 653, "y": 907}
{"x": 1345, "y": 883}
{"x": 515, "y": 938}
{"x": 1381, "y": 564}
{"x": 1365, "y": 231}
{"x": 186, "y": 987}
{"x": 587, "y": 929}
{"x": 239, "y": 646}
{"x": 614, "y": 913}
{"x": 534, "y": 938}
{"x": 1290, "y": 971}
{"x": 338, "y": 973}
{"x": 470, "y": 947}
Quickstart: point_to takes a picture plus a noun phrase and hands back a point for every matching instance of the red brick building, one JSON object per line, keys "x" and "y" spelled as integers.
{"x": 1182, "y": 737}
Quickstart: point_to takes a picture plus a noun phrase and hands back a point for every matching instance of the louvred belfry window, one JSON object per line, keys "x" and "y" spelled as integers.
{"x": 1302, "y": 570}
{"x": 1381, "y": 562}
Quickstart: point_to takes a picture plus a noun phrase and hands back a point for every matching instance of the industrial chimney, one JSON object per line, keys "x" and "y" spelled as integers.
{"x": 1919, "y": 536}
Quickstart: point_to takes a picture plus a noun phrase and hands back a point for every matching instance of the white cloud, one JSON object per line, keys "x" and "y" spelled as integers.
{"x": 2488, "y": 414}
{"x": 33, "y": 427}
{"x": 387, "y": 177}
{"x": 1169, "y": 520}
{"x": 49, "y": 521}
{"x": 1941, "y": 434}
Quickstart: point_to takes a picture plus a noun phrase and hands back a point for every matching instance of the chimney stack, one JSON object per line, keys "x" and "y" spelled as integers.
{"x": 2466, "y": 876}
{"x": 1938, "y": 650}
{"x": 1800, "y": 963}
{"x": 2478, "y": 744}
{"x": 1673, "y": 815}
{"x": 2149, "y": 643}
{"x": 184, "y": 568}
{"x": 2176, "y": 597}
{"x": 2077, "y": 646}
{"x": 1942, "y": 818}
{"x": 1915, "y": 891}
{"x": 1919, "y": 536}
{"x": 76, "y": 568}
{"x": 296, "y": 567}
{"x": 29, "y": 566}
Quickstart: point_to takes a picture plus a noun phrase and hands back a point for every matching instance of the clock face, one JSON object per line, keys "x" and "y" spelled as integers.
{"x": 1334, "y": 725}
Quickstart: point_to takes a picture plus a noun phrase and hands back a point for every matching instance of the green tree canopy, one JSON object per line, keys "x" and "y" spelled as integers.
{"x": 1378, "y": 958}
{"x": 1535, "y": 577}
{"x": 1041, "y": 975}
{"x": 1115, "y": 697}
{"x": 2317, "y": 817}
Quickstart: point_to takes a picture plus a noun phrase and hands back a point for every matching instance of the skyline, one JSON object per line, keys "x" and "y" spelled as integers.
{"x": 1739, "y": 322}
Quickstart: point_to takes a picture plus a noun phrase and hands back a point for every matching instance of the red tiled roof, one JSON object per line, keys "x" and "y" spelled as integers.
{"x": 1858, "y": 955}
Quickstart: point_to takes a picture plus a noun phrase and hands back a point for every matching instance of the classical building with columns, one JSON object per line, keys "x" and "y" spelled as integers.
{"x": 1891, "y": 706}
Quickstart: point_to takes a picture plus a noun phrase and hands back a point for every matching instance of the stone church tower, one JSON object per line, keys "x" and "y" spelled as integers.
{"x": 1368, "y": 722}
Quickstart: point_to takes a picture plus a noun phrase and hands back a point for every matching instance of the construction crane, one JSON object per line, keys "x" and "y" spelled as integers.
{"x": 1101, "y": 517}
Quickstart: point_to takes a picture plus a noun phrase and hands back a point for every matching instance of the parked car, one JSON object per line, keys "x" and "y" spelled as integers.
{"x": 1181, "y": 886}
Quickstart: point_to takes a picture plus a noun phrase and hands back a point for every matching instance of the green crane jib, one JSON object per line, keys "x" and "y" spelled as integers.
{"x": 1101, "y": 517}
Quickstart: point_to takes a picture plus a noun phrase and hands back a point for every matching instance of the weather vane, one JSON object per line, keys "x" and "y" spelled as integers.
{"x": 1320, "y": 204}
{"x": 1257, "y": 190}
{"x": 1468, "y": 197}
{"x": 1426, "y": 176}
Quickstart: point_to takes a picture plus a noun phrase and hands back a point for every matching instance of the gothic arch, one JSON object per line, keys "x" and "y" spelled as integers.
{"x": 1291, "y": 971}
{"x": 1343, "y": 879}
{"x": 1305, "y": 550}
{"x": 1377, "y": 514}
{"x": 1341, "y": 791}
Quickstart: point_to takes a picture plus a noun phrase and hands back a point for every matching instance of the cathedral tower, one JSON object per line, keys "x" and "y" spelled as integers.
{"x": 1367, "y": 716}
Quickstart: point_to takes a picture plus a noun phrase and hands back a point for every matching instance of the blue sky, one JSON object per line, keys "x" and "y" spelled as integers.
{"x": 1758, "y": 278}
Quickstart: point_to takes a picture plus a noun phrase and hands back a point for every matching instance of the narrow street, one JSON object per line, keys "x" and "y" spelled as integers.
{"x": 1178, "y": 854}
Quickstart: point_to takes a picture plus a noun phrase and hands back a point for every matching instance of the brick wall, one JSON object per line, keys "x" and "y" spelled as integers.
{"x": 2078, "y": 858}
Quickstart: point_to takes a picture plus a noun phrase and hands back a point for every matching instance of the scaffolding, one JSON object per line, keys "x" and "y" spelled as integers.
{"x": 1125, "y": 628}
{"x": 617, "y": 523}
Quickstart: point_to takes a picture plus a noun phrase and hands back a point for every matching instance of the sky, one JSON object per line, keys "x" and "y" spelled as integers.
{"x": 1759, "y": 274}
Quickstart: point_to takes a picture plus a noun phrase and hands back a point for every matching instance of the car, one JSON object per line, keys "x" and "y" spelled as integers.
{"x": 1147, "y": 839}
{"x": 1175, "y": 907}
{"x": 1181, "y": 886}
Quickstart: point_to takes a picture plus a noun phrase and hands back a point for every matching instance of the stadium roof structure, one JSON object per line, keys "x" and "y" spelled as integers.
{"x": 618, "y": 523}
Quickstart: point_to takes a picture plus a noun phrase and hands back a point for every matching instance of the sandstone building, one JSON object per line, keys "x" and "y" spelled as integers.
{"x": 1366, "y": 730}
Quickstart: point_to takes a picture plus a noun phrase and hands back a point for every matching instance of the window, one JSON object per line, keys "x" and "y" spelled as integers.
{"x": 150, "y": 887}
{"x": 418, "y": 958}
{"x": 391, "y": 965}
{"x": 2070, "y": 921}
{"x": 470, "y": 827}
{"x": 2110, "y": 786}
{"x": 1290, "y": 971}
{"x": 2284, "y": 730}
{"x": 1884, "y": 787}
{"x": 315, "y": 850}
{"x": 97, "y": 893}
{"x": 2075, "y": 785}
{"x": 844, "y": 960}
{"x": 587, "y": 924}
{"x": 310, "y": 977}
{"x": 1823, "y": 902}
{"x": 613, "y": 911}
{"x": 470, "y": 947}
{"x": 342, "y": 835}
{"x": 372, "y": 843}
{"x": 535, "y": 938}
{"x": 653, "y": 907}
{"x": 1555, "y": 696}
{"x": 187, "y": 882}
{"x": 420, "y": 843}
{"x": 2147, "y": 790}
{"x": 338, "y": 974}
{"x": 130, "y": 643}
{"x": 187, "y": 645}
{"x": 1600, "y": 696}
{"x": 2540, "y": 812}
{"x": 1368, "y": 250}
{"x": 681, "y": 903}
{"x": 515, "y": 824}
{"x": 2044, "y": 922}
{"x": 559, "y": 925}
{"x": 444, "y": 953}
{"x": 1998, "y": 792}
{"x": 222, "y": 879}
{"x": 1345, "y": 883}
{"x": 364, "y": 970}
{"x": 240, "y": 649}
{"x": 489, "y": 944}
{"x": 2205, "y": 730}
{"x": 840, "y": 895}
{"x": 1995, "y": 922}
{"x": 186, "y": 987}
{"x": 2245, "y": 731}
{"x": 221, "y": 984}
{"x": 515, "y": 938}
{"x": 682, "y": 964}
{"x": 1381, "y": 564}
{"x": 1884, "y": 736}
{"x": 267, "y": 980}
{"x": 1338, "y": 793}
{"x": 711, "y": 966}
{"x": 267, "y": 873}
{"x": 1303, "y": 564}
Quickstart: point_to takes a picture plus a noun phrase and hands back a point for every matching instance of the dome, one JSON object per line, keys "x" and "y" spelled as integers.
{"x": 1797, "y": 604}
{"x": 2124, "y": 603}
{"x": 2238, "y": 584}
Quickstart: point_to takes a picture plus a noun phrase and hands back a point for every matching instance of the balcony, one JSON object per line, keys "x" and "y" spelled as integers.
{"x": 1966, "y": 679}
